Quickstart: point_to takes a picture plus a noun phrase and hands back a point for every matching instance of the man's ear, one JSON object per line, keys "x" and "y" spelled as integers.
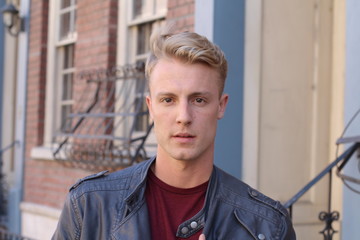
{"x": 148, "y": 103}
{"x": 222, "y": 105}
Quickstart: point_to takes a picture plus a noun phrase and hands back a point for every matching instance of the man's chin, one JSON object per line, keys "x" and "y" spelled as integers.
{"x": 186, "y": 156}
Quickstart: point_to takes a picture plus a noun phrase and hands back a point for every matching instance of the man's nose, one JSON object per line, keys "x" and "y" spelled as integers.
{"x": 184, "y": 115}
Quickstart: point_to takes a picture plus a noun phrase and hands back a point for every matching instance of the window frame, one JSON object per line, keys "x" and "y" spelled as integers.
{"x": 127, "y": 32}
{"x": 55, "y": 60}
{"x": 62, "y": 71}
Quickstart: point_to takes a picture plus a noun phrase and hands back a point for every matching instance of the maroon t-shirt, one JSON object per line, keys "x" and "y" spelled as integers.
{"x": 170, "y": 206}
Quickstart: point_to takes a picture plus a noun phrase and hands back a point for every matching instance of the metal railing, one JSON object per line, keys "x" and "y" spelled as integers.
{"x": 109, "y": 122}
{"x": 3, "y": 189}
{"x": 6, "y": 235}
{"x": 329, "y": 216}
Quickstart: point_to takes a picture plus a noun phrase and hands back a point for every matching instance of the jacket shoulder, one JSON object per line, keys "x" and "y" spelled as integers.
{"x": 249, "y": 205}
{"x": 243, "y": 194}
{"x": 105, "y": 181}
{"x": 88, "y": 178}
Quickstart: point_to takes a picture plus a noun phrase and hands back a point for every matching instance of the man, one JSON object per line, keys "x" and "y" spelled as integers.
{"x": 179, "y": 194}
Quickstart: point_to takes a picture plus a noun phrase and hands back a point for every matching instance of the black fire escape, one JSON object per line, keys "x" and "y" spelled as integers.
{"x": 328, "y": 216}
{"x": 109, "y": 122}
{"x": 4, "y": 218}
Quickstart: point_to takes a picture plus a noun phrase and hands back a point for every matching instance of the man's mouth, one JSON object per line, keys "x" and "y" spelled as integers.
{"x": 184, "y": 135}
{"x": 184, "y": 138}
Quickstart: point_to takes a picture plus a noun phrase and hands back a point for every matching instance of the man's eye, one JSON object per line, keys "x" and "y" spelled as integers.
{"x": 199, "y": 100}
{"x": 167, "y": 100}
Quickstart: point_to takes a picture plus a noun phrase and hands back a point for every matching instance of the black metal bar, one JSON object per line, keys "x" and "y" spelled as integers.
{"x": 3, "y": 199}
{"x": 142, "y": 143}
{"x": 346, "y": 155}
{"x": 88, "y": 136}
{"x": 348, "y": 140}
{"x": 115, "y": 114}
{"x": 346, "y": 159}
{"x": 328, "y": 218}
{"x": 91, "y": 106}
{"x": 330, "y": 190}
{"x": 6, "y": 235}
{"x": 9, "y": 146}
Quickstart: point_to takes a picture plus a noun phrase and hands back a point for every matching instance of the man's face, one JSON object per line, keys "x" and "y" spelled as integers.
{"x": 185, "y": 105}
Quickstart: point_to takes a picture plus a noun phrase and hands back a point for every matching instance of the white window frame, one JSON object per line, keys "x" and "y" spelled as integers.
{"x": 59, "y": 102}
{"x": 55, "y": 56}
{"x": 151, "y": 12}
{"x": 71, "y": 37}
{"x": 127, "y": 32}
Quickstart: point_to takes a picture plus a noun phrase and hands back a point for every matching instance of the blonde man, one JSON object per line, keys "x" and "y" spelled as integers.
{"x": 179, "y": 193}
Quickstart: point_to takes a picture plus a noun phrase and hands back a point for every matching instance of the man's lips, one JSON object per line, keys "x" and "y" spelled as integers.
{"x": 184, "y": 137}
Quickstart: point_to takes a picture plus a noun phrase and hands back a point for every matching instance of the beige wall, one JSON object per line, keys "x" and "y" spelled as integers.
{"x": 293, "y": 91}
{"x": 38, "y": 221}
{"x": 9, "y": 103}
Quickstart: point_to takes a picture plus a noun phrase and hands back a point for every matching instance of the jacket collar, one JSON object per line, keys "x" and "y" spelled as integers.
{"x": 246, "y": 215}
{"x": 138, "y": 182}
{"x": 137, "y": 196}
{"x": 197, "y": 222}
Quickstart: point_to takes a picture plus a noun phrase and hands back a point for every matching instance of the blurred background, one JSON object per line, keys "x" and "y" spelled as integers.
{"x": 72, "y": 90}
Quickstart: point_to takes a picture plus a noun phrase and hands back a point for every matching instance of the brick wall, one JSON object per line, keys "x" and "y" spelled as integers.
{"x": 181, "y": 14}
{"x": 47, "y": 182}
{"x": 97, "y": 31}
{"x": 37, "y": 73}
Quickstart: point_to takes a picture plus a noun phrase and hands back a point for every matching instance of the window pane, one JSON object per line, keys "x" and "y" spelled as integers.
{"x": 65, "y": 3}
{"x": 67, "y": 18}
{"x": 74, "y": 22}
{"x": 69, "y": 56}
{"x": 143, "y": 38}
{"x": 64, "y": 25}
{"x": 141, "y": 120}
{"x": 65, "y": 120}
{"x": 137, "y": 8}
{"x": 67, "y": 75}
{"x": 67, "y": 86}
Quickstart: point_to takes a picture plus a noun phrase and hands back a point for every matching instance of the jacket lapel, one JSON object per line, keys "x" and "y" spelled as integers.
{"x": 135, "y": 225}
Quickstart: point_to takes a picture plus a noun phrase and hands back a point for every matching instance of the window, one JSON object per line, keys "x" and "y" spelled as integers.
{"x": 67, "y": 19}
{"x": 66, "y": 38}
{"x": 143, "y": 33}
{"x": 149, "y": 9}
{"x": 62, "y": 38}
{"x": 137, "y": 24}
{"x": 66, "y": 80}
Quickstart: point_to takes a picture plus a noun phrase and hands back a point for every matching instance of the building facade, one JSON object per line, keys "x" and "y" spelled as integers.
{"x": 289, "y": 97}
{"x": 13, "y": 113}
{"x": 67, "y": 39}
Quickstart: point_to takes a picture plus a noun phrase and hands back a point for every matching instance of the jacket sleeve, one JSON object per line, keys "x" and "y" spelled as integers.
{"x": 69, "y": 224}
{"x": 288, "y": 232}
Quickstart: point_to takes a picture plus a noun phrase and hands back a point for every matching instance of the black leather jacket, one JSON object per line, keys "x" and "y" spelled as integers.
{"x": 113, "y": 206}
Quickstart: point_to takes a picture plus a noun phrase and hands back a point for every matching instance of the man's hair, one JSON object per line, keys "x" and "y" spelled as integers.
{"x": 188, "y": 47}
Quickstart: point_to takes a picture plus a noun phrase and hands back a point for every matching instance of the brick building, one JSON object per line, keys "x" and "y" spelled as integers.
{"x": 286, "y": 84}
{"x": 67, "y": 38}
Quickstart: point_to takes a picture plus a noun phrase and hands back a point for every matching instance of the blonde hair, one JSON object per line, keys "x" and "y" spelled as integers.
{"x": 188, "y": 47}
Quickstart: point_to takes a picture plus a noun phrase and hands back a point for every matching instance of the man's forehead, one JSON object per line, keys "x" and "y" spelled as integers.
{"x": 174, "y": 73}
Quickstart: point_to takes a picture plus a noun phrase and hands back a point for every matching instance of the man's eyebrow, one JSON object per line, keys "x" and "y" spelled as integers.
{"x": 201, "y": 94}
{"x": 205, "y": 93}
{"x": 165, "y": 94}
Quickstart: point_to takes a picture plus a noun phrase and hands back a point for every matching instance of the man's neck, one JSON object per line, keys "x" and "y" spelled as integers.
{"x": 182, "y": 174}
